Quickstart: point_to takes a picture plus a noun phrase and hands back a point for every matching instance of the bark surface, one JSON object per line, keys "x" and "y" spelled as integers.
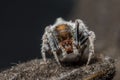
{"x": 37, "y": 70}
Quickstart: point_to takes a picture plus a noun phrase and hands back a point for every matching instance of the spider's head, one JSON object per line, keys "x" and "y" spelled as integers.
{"x": 64, "y": 36}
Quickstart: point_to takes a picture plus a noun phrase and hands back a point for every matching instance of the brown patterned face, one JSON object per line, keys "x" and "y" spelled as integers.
{"x": 64, "y": 37}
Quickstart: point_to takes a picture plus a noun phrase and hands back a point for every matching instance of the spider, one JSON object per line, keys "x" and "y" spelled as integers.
{"x": 67, "y": 41}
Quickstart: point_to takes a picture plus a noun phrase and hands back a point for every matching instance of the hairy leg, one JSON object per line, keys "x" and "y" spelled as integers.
{"x": 44, "y": 42}
{"x": 91, "y": 46}
{"x": 54, "y": 48}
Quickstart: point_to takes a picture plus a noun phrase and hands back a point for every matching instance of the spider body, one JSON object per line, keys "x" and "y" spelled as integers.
{"x": 67, "y": 41}
{"x": 64, "y": 37}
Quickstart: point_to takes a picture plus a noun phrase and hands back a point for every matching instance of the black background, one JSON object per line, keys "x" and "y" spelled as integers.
{"x": 22, "y": 23}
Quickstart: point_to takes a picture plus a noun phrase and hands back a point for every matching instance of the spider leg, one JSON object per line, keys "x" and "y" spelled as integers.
{"x": 83, "y": 43}
{"x": 45, "y": 43}
{"x": 64, "y": 53}
{"x": 56, "y": 57}
{"x": 84, "y": 36}
{"x": 77, "y": 37}
{"x": 84, "y": 40}
{"x": 53, "y": 46}
{"x": 75, "y": 50}
{"x": 43, "y": 55}
{"x": 76, "y": 32}
{"x": 91, "y": 46}
{"x": 44, "y": 47}
{"x": 82, "y": 32}
{"x": 47, "y": 38}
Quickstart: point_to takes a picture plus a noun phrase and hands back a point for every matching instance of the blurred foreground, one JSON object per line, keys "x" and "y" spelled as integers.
{"x": 37, "y": 70}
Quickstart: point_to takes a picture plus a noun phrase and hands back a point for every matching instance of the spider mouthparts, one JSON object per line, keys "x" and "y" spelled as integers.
{"x": 67, "y": 45}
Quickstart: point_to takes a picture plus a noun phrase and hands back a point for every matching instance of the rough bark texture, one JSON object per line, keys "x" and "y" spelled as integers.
{"x": 37, "y": 70}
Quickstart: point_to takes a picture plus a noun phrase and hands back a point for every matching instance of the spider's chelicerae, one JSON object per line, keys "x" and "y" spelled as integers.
{"x": 67, "y": 41}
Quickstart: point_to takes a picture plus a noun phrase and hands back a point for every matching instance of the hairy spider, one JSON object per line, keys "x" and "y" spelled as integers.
{"x": 67, "y": 41}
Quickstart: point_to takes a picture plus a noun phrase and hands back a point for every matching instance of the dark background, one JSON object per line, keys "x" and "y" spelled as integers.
{"x": 22, "y": 23}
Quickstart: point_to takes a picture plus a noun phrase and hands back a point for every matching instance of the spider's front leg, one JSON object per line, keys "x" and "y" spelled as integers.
{"x": 45, "y": 47}
{"x": 49, "y": 44}
{"x": 45, "y": 44}
{"x": 54, "y": 46}
{"x": 91, "y": 45}
{"x": 81, "y": 36}
{"x": 76, "y": 38}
